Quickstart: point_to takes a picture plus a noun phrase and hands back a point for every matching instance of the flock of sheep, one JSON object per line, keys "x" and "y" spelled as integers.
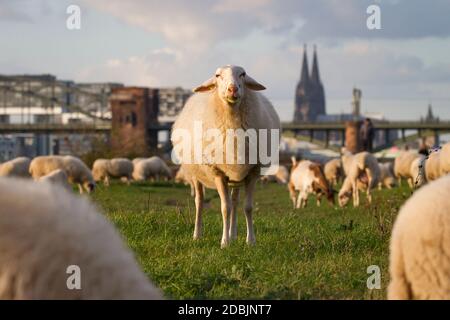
{"x": 44, "y": 228}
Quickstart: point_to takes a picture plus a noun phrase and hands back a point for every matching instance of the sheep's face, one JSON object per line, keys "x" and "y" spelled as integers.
{"x": 230, "y": 83}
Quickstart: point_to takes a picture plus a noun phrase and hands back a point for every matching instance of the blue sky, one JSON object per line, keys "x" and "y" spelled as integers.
{"x": 400, "y": 68}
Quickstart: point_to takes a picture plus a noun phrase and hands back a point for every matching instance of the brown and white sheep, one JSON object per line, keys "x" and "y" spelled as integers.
{"x": 307, "y": 178}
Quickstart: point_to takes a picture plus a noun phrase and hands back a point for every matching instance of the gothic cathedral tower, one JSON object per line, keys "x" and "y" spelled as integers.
{"x": 310, "y": 94}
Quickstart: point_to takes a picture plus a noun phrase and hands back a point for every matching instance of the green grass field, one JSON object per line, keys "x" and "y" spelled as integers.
{"x": 313, "y": 253}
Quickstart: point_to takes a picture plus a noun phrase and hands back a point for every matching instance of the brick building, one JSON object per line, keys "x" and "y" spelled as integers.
{"x": 134, "y": 110}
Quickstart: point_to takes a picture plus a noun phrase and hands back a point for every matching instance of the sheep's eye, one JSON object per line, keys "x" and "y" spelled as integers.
{"x": 217, "y": 75}
{"x": 243, "y": 75}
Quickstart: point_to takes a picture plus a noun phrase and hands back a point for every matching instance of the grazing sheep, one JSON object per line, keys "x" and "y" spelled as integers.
{"x": 387, "y": 178}
{"x": 47, "y": 234}
{"x": 281, "y": 176}
{"x": 307, "y": 177}
{"x": 403, "y": 164}
{"x": 363, "y": 172}
{"x": 227, "y": 102}
{"x": 77, "y": 172}
{"x": 151, "y": 168}
{"x": 420, "y": 245}
{"x": 104, "y": 169}
{"x": 333, "y": 171}
{"x": 58, "y": 177}
{"x": 17, "y": 167}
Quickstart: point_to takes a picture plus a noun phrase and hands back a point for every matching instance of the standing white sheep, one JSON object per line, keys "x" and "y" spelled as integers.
{"x": 104, "y": 169}
{"x": 77, "y": 172}
{"x": 420, "y": 245}
{"x": 49, "y": 236}
{"x": 17, "y": 167}
{"x": 227, "y": 102}
{"x": 151, "y": 168}
{"x": 363, "y": 172}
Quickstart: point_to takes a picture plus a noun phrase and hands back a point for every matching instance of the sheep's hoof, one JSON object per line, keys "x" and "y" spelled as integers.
{"x": 197, "y": 236}
{"x": 251, "y": 242}
{"x": 224, "y": 244}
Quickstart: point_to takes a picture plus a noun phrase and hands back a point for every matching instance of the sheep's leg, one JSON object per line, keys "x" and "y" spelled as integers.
{"x": 299, "y": 200}
{"x": 292, "y": 193}
{"x": 192, "y": 189}
{"x": 198, "y": 209}
{"x": 355, "y": 194}
{"x": 80, "y": 188}
{"x": 318, "y": 199}
{"x": 234, "y": 205}
{"x": 411, "y": 183}
{"x": 305, "y": 199}
{"x": 302, "y": 199}
{"x": 106, "y": 181}
{"x": 380, "y": 185}
{"x": 370, "y": 185}
{"x": 225, "y": 204}
{"x": 128, "y": 179}
{"x": 369, "y": 195}
{"x": 249, "y": 190}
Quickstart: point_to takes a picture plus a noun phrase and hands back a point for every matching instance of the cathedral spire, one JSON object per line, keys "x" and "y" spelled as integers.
{"x": 315, "y": 77}
{"x": 305, "y": 75}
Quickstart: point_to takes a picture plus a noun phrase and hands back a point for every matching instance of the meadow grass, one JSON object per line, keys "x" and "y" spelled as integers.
{"x": 312, "y": 253}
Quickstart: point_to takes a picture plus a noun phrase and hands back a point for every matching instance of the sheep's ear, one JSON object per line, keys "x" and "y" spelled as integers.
{"x": 207, "y": 85}
{"x": 253, "y": 84}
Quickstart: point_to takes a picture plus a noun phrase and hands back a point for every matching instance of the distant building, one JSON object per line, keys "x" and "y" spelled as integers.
{"x": 171, "y": 101}
{"x": 93, "y": 97}
{"x": 31, "y": 99}
{"x": 134, "y": 110}
{"x": 429, "y": 118}
{"x": 309, "y": 93}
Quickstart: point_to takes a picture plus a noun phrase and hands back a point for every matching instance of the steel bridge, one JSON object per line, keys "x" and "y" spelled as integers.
{"x": 47, "y": 93}
{"x": 303, "y": 129}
